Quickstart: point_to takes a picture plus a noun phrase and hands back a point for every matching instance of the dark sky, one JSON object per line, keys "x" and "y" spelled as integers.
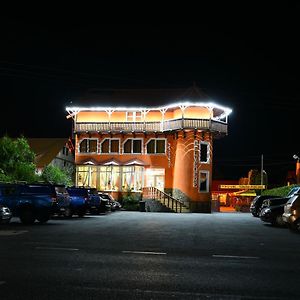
{"x": 251, "y": 66}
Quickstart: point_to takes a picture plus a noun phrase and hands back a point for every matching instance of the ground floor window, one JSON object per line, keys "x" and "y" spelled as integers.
{"x": 86, "y": 176}
{"x": 111, "y": 178}
{"x": 204, "y": 181}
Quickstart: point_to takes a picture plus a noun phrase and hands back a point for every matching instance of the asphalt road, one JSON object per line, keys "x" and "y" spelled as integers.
{"x": 134, "y": 255}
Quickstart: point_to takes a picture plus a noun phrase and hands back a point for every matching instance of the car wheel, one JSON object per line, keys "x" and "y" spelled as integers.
{"x": 81, "y": 213}
{"x": 68, "y": 212}
{"x": 27, "y": 216}
{"x": 43, "y": 218}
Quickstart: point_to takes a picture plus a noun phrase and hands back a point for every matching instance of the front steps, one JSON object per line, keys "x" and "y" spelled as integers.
{"x": 167, "y": 202}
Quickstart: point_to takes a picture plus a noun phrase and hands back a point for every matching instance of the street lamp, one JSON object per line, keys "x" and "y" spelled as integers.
{"x": 296, "y": 157}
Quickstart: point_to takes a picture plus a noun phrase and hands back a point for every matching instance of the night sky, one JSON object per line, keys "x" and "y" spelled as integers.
{"x": 252, "y": 67}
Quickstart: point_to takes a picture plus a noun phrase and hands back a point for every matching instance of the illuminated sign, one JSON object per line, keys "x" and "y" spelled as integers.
{"x": 243, "y": 186}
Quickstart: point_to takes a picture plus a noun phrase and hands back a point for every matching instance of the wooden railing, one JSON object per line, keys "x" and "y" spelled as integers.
{"x": 167, "y": 200}
{"x": 213, "y": 125}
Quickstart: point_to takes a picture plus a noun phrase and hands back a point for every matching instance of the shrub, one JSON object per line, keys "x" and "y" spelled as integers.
{"x": 53, "y": 174}
{"x": 280, "y": 192}
{"x": 131, "y": 201}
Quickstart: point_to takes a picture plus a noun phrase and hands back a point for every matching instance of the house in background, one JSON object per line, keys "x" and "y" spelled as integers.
{"x": 167, "y": 147}
{"x": 58, "y": 152}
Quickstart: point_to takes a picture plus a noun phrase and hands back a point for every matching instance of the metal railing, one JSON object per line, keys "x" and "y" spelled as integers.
{"x": 167, "y": 125}
{"x": 167, "y": 200}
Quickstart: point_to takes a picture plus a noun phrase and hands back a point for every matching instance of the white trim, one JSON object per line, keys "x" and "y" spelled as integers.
{"x": 109, "y": 146}
{"x": 156, "y": 139}
{"x": 88, "y": 146}
{"x": 74, "y": 110}
{"x": 207, "y": 181}
{"x": 142, "y": 144}
{"x": 208, "y": 152}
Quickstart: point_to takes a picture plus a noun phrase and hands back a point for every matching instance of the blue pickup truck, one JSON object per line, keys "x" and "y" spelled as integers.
{"x": 85, "y": 200}
{"x": 28, "y": 202}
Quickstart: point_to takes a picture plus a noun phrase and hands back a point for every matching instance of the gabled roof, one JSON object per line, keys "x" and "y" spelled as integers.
{"x": 46, "y": 149}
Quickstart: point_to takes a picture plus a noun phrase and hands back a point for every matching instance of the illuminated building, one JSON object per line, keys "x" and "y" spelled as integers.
{"x": 169, "y": 147}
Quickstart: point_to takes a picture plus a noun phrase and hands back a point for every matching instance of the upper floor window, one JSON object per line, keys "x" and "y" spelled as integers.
{"x": 133, "y": 146}
{"x": 204, "y": 152}
{"x": 88, "y": 146}
{"x": 156, "y": 146}
{"x": 134, "y": 116}
{"x": 110, "y": 146}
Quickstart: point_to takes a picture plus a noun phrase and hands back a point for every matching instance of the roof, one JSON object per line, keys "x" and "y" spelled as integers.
{"x": 46, "y": 149}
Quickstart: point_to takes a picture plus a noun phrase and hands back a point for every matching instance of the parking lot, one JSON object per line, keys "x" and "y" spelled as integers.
{"x": 134, "y": 255}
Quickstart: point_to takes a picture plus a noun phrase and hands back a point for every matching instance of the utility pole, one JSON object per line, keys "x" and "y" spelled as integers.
{"x": 262, "y": 170}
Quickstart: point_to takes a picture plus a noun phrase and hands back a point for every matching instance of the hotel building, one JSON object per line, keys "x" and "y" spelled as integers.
{"x": 168, "y": 146}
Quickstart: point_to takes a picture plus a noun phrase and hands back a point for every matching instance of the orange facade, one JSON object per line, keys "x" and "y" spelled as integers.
{"x": 169, "y": 148}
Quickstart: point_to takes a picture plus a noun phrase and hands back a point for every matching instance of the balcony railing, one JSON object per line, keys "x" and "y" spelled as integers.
{"x": 168, "y": 125}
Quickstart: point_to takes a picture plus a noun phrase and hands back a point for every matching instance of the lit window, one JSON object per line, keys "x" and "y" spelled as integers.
{"x": 134, "y": 116}
{"x": 133, "y": 146}
{"x": 204, "y": 181}
{"x": 88, "y": 146}
{"x": 109, "y": 178}
{"x": 204, "y": 152}
{"x": 156, "y": 146}
{"x": 132, "y": 178}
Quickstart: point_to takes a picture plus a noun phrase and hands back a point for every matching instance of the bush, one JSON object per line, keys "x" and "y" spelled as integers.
{"x": 280, "y": 192}
{"x": 53, "y": 174}
{"x": 131, "y": 201}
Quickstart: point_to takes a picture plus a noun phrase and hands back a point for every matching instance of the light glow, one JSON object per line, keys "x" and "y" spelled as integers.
{"x": 73, "y": 110}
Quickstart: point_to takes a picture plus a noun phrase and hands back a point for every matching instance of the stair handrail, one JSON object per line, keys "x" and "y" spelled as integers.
{"x": 157, "y": 193}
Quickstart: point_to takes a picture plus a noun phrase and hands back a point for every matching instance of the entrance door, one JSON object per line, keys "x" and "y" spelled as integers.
{"x": 155, "y": 178}
{"x": 159, "y": 182}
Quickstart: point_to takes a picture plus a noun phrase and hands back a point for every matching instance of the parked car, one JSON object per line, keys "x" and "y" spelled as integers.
{"x": 80, "y": 202}
{"x": 256, "y": 204}
{"x": 62, "y": 200}
{"x": 28, "y": 202}
{"x": 273, "y": 215}
{"x": 291, "y": 215}
{"x": 5, "y": 215}
{"x": 94, "y": 201}
{"x": 273, "y": 209}
{"x": 111, "y": 203}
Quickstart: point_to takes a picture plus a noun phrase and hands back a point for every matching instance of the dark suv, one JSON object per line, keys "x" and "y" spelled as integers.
{"x": 28, "y": 202}
{"x": 272, "y": 209}
{"x": 83, "y": 200}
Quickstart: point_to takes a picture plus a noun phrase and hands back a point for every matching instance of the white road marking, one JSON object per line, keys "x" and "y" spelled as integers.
{"x": 54, "y": 248}
{"x": 2, "y": 282}
{"x": 12, "y": 232}
{"x": 235, "y": 256}
{"x": 144, "y": 252}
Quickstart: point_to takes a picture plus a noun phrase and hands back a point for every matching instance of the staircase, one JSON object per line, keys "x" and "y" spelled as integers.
{"x": 164, "y": 199}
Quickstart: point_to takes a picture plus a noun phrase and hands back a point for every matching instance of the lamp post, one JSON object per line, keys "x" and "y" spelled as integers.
{"x": 297, "y": 168}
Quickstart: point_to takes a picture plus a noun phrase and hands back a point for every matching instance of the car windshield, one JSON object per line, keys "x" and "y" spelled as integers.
{"x": 61, "y": 190}
{"x": 93, "y": 191}
{"x": 77, "y": 192}
{"x": 105, "y": 196}
{"x": 293, "y": 191}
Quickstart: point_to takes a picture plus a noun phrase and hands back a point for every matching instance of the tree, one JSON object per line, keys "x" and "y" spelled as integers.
{"x": 52, "y": 174}
{"x": 16, "y": 160}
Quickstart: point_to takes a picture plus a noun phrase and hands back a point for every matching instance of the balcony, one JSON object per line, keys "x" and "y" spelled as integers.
{"x": 168, "y": 125}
